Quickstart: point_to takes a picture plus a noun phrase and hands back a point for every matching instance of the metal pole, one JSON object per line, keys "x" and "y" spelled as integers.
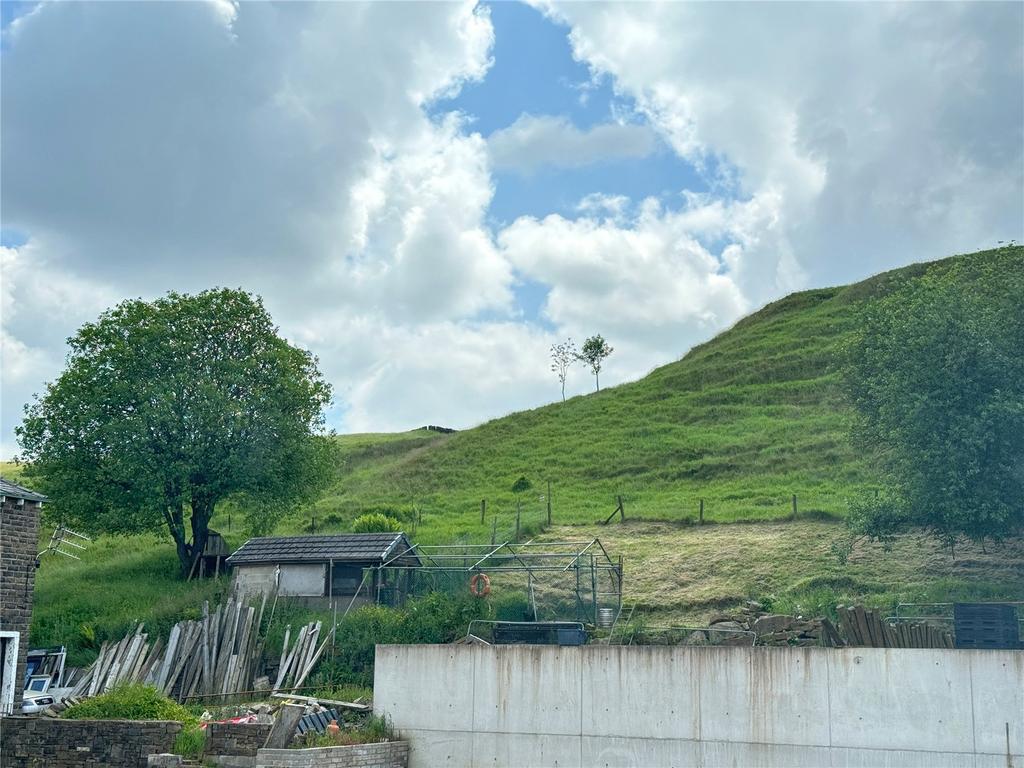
{"x": 593, "y": 586}
{"x": 549, "y": 502}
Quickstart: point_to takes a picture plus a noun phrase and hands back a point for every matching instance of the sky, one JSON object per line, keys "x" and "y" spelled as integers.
{"x": 428, "y": 196}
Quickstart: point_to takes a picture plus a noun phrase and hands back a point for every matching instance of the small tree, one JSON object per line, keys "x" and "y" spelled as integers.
{"x": 562, "y": 357}
{"x": 595, "y": 350}
{"x": 168, "y": 407}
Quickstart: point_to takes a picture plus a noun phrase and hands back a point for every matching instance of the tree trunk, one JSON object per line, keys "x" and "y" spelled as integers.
{"x": 597, "y": 380}
{"x": 202, "y": 511}
{"x": 176, "y": 525}
{"x": 563, "y": 390}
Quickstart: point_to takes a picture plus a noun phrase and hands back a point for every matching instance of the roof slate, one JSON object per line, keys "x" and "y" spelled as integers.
{"x": 7, "y": 488}
{"x": 343, "y": 546}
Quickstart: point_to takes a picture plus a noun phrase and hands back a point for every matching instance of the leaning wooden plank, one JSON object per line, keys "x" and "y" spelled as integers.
{"x": 292, "y": 655}
{"x": 313, "y": 661}
{"x": 284, "y": 654}
{"x": 206, "y": 640}
{"x": 172, "y": 649}
{"x": 318, "y": 700}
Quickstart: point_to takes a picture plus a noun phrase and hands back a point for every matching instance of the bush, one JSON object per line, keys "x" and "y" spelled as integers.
{"x": 375, "y": 522}
{"x": 435, "y": 618}
{"x": 130, "y": 702}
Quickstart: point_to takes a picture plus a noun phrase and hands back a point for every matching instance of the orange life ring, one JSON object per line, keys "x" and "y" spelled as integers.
{"x": 480, "y": 585}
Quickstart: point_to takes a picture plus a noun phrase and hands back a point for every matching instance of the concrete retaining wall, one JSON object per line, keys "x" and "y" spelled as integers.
{"x": 703, "y": 707}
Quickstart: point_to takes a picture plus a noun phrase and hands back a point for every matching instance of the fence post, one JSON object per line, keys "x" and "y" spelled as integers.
{"x": 519, "y": 508}
{"x": 702, "y": 511}
{"x": 494, "y": 529}
{"x": 549, "y": 502}
{"x": 622, "y": 509}
{"x": 483, "y": 510}
{"x": 312, "y": 524}
{"x": 794, "y": 506}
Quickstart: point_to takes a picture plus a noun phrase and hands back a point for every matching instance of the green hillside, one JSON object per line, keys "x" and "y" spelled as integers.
{"x": 745, "y": 422}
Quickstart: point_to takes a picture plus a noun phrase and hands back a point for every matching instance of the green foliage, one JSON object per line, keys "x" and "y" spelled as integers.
{"x": 521, "y": 485}
{"x": 167, "y": 407}
{"x": 435, "y": 618}
{"x": 594, "y": 351}
{"x": 936, "y": 374}
{"x": 374, "y": 522}
{"x": 130, "y": 702}
{"x": 190, "y": 742}
{"x": 370, "y": 730}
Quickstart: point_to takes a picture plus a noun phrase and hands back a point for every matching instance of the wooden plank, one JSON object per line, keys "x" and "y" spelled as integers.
{"x": 317, "y": 700}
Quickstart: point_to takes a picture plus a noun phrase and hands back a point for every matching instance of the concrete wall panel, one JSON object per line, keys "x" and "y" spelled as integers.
{"x": 747, "y": 695}
{"x": 704, "y": 707}
{"x": 723, "y": 754}
{"x": 617, "y": 752}
{"x": 515, "y": 750}
{"x": 997, "y": 689}
{"x": 428, "y": 687}
{"x": 903, "y": 699}
{"x": 640, "y": 692}
{"x": 436, "y": 749}
{"x": 518, "y": 688}
{"x": 843, "y": 757}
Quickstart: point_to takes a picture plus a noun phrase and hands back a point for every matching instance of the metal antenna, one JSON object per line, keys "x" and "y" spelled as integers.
{"x": 59, "y": 539}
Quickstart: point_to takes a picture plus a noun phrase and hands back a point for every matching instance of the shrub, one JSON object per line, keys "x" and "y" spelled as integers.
{"x": 130, "y": 702}
{"x": 375, "y": 522}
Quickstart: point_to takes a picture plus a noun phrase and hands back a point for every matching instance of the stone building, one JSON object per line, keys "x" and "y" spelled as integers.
{"x": 19, "y": 540}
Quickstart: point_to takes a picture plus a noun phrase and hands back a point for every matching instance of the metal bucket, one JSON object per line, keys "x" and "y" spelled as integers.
{"x": 605, "y": 617}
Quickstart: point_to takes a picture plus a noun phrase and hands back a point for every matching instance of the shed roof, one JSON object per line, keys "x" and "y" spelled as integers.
{"x": 341, "y": 547}
{"x": 7, "y": 488}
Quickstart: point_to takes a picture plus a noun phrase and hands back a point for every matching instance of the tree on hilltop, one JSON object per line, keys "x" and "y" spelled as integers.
{"x": 594, "y": 351}
{"x": 562, "y": 357}
{"x": 166, "y": 408}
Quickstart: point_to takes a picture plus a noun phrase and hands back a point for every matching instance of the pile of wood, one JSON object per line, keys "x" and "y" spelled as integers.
{"x": 862, "y": 627}
{"x": 297, "y": 663}
{"x": 220, "y": 654}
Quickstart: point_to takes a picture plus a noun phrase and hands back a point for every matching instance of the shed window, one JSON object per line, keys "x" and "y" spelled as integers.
{"x": 345, "y": 579}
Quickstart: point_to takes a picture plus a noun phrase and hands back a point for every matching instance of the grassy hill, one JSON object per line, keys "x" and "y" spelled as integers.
{"x": 745, "y": 422}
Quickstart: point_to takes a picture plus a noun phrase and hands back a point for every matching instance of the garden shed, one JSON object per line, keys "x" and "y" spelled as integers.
{"x": 325, "y": 569}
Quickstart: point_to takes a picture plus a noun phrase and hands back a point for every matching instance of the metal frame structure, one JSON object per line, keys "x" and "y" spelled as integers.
{"x": 584, "y": 568}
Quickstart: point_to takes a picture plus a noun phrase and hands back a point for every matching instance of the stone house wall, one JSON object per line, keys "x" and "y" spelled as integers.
{"x": 19, "y": 539}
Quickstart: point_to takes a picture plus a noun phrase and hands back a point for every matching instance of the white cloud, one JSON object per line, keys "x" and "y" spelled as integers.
{"x": 881, "y": 134}
{"x": 647, "y": 284}
{"x": 282, "y": 148}
{"x": 532, "y": 142}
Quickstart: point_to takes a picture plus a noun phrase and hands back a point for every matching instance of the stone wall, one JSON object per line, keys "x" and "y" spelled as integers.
{"x": 241, "y": 739}
{"x": 391, "y": 754}
{"x": 41, "y": 742}
{"x": 19, "y": 531}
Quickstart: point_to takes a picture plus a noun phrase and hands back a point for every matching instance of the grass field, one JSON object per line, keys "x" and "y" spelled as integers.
{"x": 745, "y": 422}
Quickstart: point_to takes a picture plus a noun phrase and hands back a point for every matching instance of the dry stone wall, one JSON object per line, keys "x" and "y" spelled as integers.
{"x": 42, "y": 742}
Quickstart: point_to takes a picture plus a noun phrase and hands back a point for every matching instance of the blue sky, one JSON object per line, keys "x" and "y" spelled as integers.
{"x": 428, "y": 196}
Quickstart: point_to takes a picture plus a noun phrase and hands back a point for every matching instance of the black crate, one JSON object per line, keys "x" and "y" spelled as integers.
{"x": 986, "y": 625}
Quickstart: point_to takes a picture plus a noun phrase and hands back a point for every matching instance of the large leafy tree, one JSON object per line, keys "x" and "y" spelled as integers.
{"x": 936, "y": 374}
{"x": 168, "y": 407}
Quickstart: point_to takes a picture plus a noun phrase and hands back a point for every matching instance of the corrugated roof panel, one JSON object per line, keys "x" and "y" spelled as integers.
{"x": 343, "y": 546}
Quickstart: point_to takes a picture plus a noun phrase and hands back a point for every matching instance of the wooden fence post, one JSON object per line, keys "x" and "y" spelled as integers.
{"x": 794, "y": 506}
{"x": 494, "y": 530}
{"x": 312, "y": 524}
{"x": 702, "y": 511}
{"x": 549, "y": 502}
{"x": 518, "y": 511}
{"x": 622, "y": 509}
{"x": 483, "y": 510}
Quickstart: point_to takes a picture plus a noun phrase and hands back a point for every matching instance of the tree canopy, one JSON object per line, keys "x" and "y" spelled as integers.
{"x": 936, "y": 374}
{"x": 594, "y": 351}
{"x": 167, "y": 407}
